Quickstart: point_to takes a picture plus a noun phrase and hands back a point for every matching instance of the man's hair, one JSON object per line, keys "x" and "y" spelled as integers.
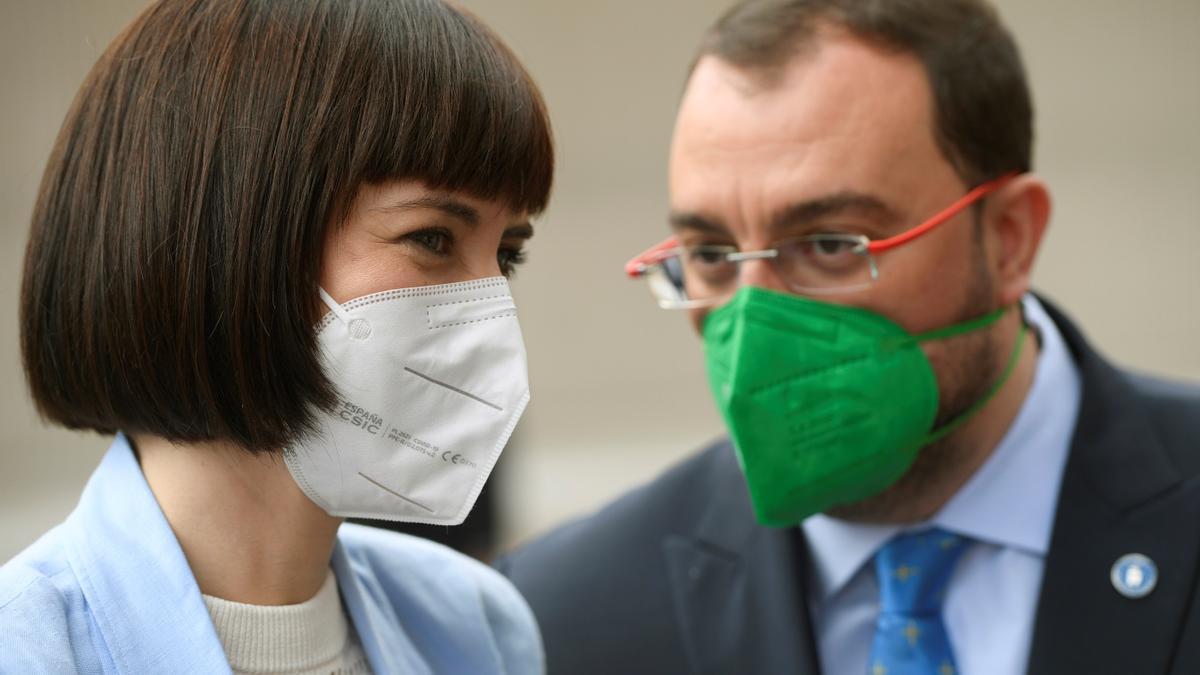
{"x": 983, "y": 108}
{"x": 171, "y": 276}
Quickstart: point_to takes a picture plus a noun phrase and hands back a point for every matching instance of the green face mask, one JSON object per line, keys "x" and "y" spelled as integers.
{"x": 826, "y": 404}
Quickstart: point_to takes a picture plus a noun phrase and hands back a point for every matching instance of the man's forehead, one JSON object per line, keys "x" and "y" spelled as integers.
{"x": 846, "y": 117}
{"x": 843, "y": 88}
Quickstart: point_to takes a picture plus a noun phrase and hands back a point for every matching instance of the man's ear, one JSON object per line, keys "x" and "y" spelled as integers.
{"x": 1016, "y": 218}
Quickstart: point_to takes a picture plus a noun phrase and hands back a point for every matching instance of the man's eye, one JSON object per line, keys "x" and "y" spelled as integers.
{"x": 838, "y": 255}
{"x": 701, "y": 255}
{"x": 831, "y": 247}
{"x": 436, "y": 240}
{"x": 510, "y": 259}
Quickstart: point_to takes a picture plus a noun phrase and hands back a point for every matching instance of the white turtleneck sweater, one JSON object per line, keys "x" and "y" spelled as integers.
{"x": 312, "y": 638}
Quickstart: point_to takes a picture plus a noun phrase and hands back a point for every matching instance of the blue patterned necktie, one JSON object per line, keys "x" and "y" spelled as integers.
{"x": 910, "y": 636}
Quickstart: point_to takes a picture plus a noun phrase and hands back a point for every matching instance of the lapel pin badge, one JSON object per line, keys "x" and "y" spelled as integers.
{"x": 1134, "y": 576}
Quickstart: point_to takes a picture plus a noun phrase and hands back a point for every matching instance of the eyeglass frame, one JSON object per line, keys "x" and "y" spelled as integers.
{"x": 641, "y": 264}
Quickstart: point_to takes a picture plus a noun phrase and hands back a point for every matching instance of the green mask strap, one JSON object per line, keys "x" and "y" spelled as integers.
{"x": 1013, "y": 359}
{"x": 963, "y": 328}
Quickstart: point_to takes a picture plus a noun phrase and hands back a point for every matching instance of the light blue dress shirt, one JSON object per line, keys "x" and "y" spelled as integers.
{"x": 109, "y": 591}
{"x": 1007, "y": 508}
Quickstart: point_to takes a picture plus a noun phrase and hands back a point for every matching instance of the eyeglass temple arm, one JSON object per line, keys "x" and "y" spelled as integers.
{"x": 637, "y": 267}
{"x": 968, "y": 199}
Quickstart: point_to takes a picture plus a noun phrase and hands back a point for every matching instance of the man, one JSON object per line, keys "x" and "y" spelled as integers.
{"x": 929, "y": 471}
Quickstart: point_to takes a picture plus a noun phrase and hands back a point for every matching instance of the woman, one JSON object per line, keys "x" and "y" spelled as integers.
{"x": 269, "y": 255}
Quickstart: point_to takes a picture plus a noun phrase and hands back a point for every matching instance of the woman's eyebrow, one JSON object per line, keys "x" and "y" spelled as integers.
{"x": 448, "y": 205}
{"x": 519, "y": 231}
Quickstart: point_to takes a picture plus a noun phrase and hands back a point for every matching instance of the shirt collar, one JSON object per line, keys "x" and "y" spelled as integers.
{"x": 134, "y": 576}
{"x": 146, "y": 602}
{"x": 1029, "y": 462}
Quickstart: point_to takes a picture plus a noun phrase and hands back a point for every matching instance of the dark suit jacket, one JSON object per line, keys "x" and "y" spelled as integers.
{"x": 677, "y": 577}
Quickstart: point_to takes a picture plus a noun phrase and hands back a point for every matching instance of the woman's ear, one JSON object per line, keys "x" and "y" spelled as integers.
{"x": 1016, "y": 218}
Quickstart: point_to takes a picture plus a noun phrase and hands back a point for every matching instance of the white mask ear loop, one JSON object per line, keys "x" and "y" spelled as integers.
{"x": 334, "y": 306}
{"x": 360, "y": 329}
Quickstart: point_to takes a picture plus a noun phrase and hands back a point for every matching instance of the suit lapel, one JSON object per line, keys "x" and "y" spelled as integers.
{"x": 737, "y": 587}
{"x": 1121, "y": 494}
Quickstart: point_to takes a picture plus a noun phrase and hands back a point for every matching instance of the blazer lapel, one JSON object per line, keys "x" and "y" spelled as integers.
{"x": 738, "y": 589}
{"x": 379, "y": 628}
{"x": 1121, "y": 494}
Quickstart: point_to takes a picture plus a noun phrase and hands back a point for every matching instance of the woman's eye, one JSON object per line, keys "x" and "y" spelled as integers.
{"x": 510, "y": 259}
{"x": 436, "y": 241}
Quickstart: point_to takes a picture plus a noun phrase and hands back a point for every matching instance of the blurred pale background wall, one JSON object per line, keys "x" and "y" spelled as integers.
{"x": 619, "y": 390}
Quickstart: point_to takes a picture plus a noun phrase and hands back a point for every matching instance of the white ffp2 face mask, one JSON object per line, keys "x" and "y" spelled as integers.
{"x": 431, "y": 381}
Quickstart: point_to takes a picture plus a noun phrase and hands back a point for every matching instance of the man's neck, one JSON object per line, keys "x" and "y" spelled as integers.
{"x": 249, "y": 533}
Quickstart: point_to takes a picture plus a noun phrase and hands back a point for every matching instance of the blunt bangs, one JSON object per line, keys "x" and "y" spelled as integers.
{"x": 172, "y": 269}
{"x": 456, "y": 112}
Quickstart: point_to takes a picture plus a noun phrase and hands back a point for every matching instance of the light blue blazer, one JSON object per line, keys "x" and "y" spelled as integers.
{"x": 109, "y": 591}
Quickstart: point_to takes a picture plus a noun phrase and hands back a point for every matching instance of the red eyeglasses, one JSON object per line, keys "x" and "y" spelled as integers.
{"x": 684, "y": 277}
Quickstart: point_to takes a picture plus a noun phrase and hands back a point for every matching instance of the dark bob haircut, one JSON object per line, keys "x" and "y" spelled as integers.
{"x": 171, "y": 274}
{"x": 982, "y": 104}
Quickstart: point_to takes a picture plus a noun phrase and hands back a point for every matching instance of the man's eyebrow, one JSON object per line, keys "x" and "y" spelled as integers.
{"x": 519, "y": 231}
{"x": 451, "y": 207}
{"x": 832, "y": 205}
{"x": 697, "y": 222}
{"x": 799, "y": 213}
